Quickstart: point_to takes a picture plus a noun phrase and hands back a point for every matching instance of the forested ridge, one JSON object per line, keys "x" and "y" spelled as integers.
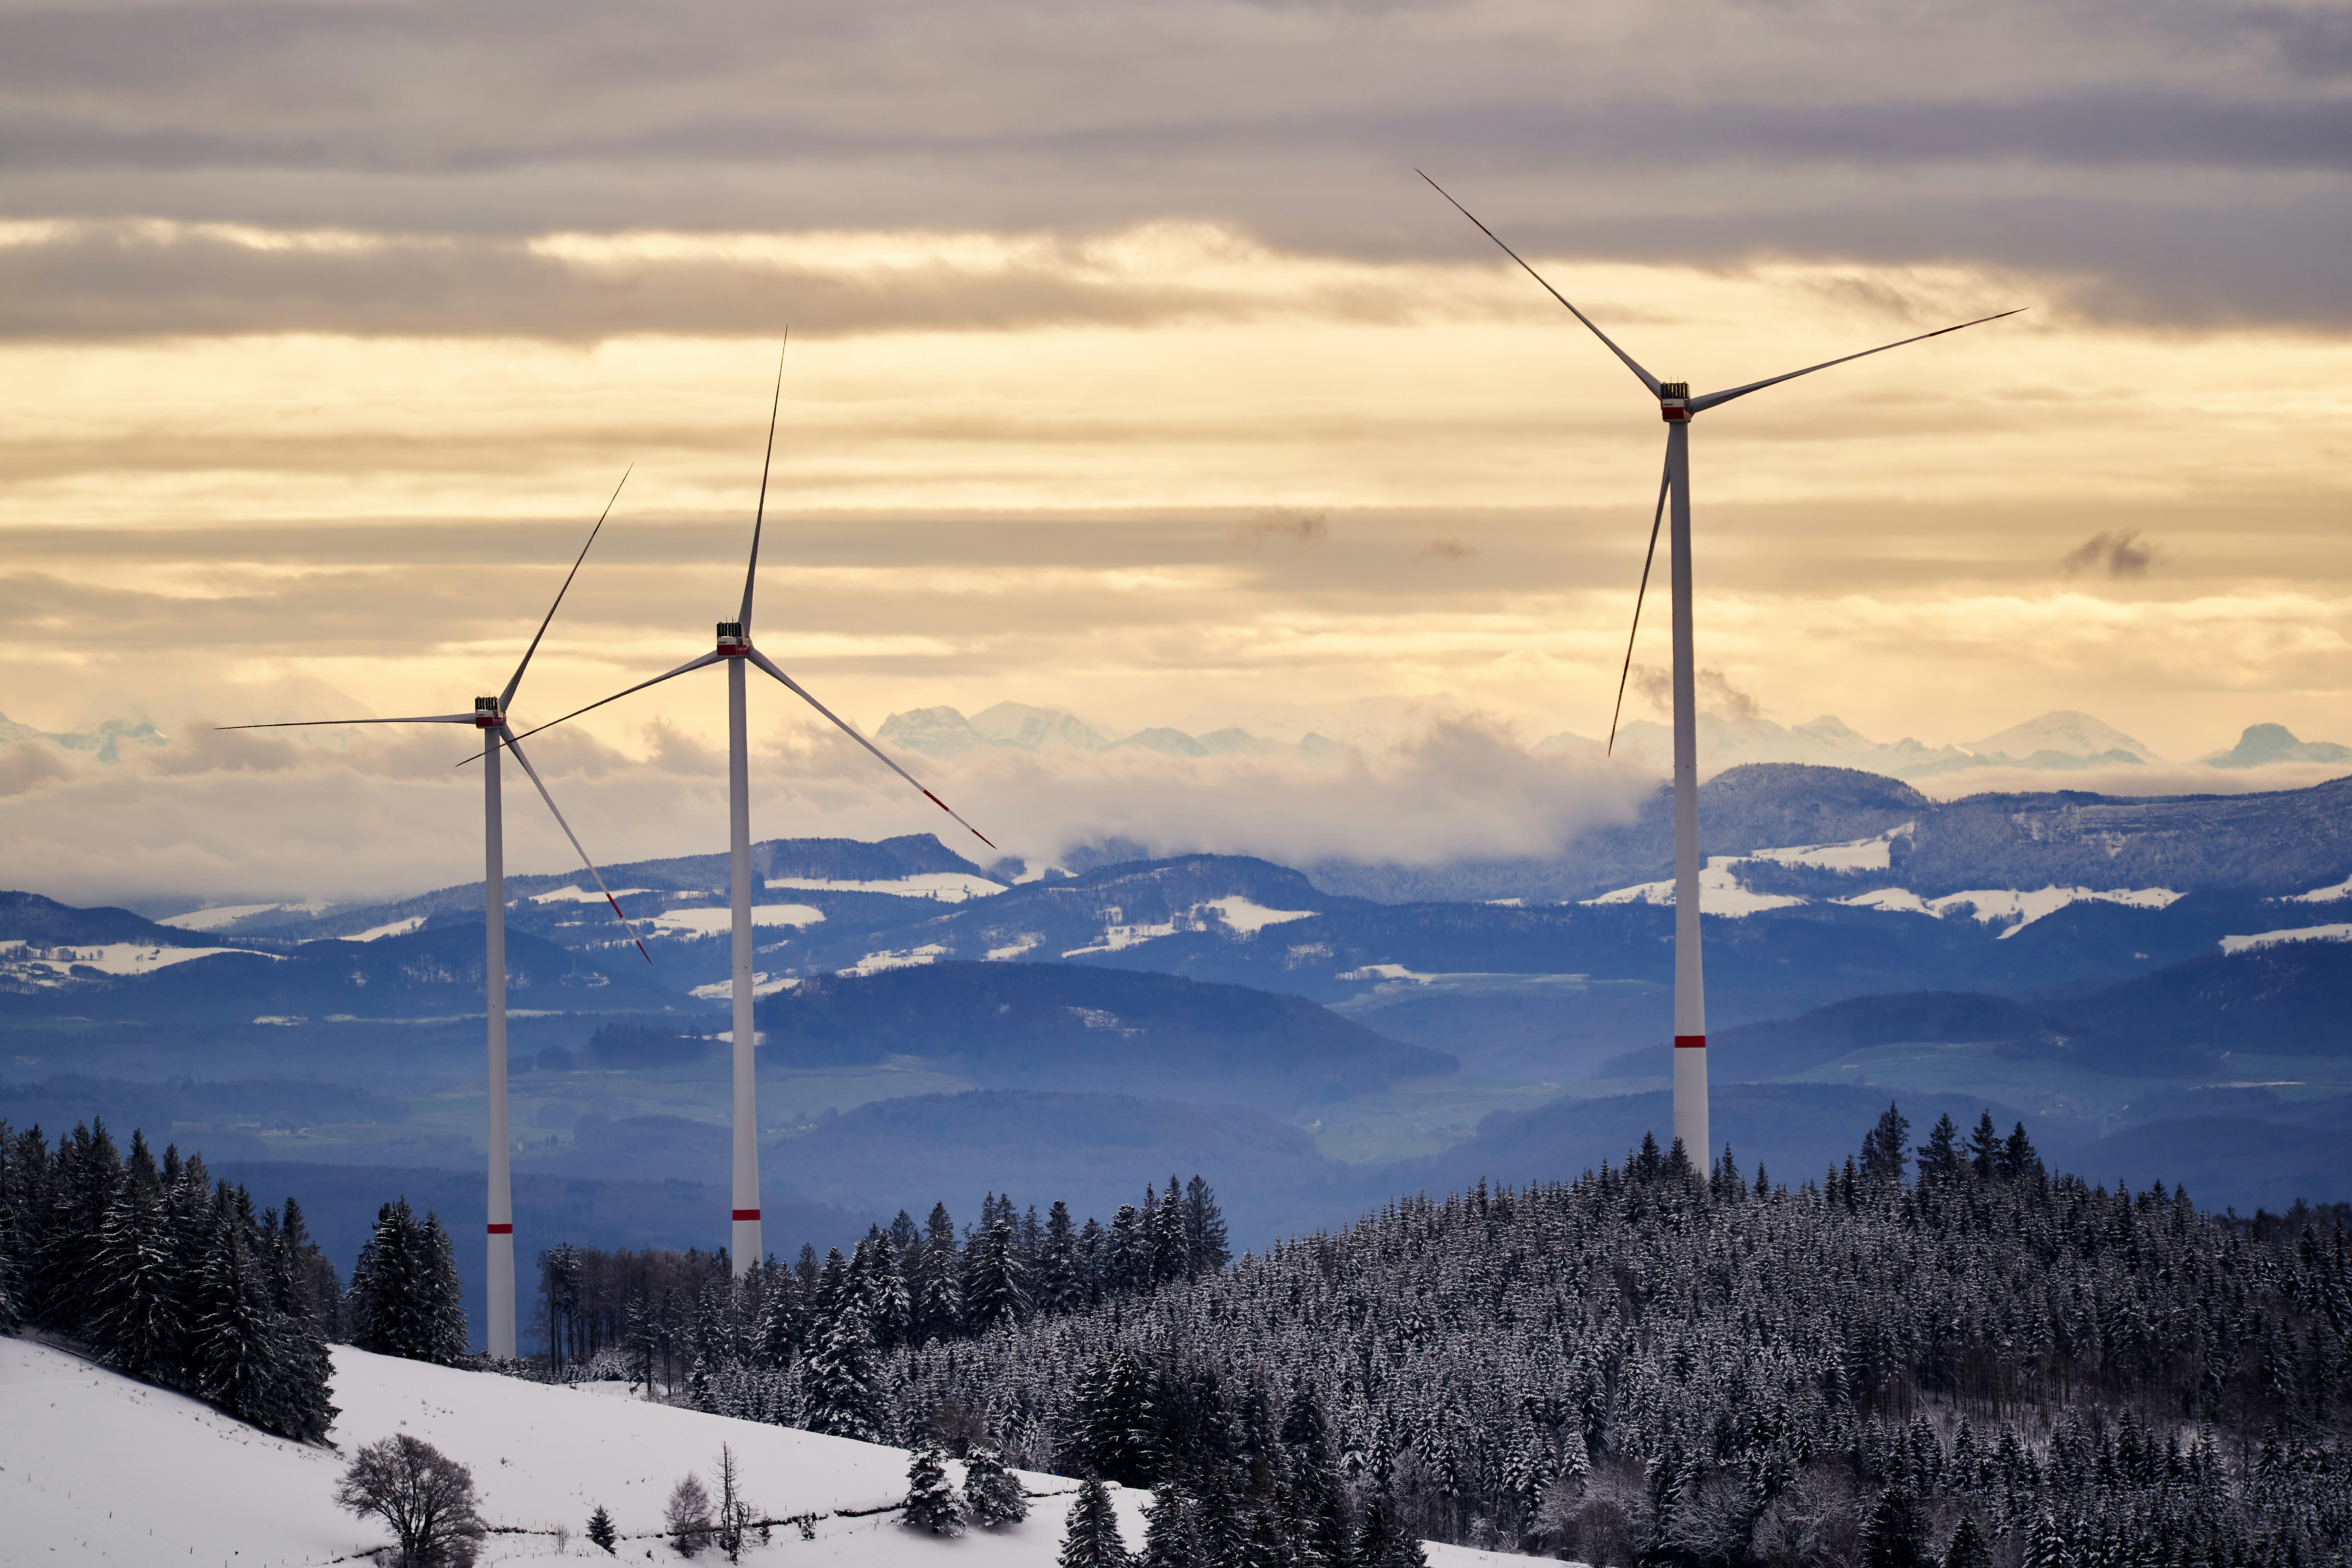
{"x": 1656, "y": 1364}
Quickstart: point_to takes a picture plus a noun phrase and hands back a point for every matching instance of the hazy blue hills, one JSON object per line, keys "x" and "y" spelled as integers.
{"x": 44, "y": 923}
{"x": 1065, "y": 1026}
{"x": 2264, "y": 743}
{"x": 432, "y": 973}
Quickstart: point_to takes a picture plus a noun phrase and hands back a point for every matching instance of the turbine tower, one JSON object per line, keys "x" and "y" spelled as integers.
{"x": 735, "y": 651}
{"x": 490, "y": 715}
{"x": 1678, "y": 408}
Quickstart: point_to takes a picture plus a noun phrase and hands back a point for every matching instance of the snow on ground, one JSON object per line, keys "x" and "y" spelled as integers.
{"x": 2298, "y": 933}
{"x": 1385, "y": 972}
{"x": 20, "y": 960}
{"x": 947, "y": 886}
{"x": 396, "y": 928}
{"x": 95, "y": 1468}
{"x": 896, "y": 958}
{"x": 1719, "y": 892}
{"x": 1006, "y": 954}
{"x": 710, "y": 922}
{"x": 584, "y": 894}
{"x": 1862, "y": 854}
{"x": 2016, "y": 907}
{"x": 724, "y": 991}
{"x": 2341, "y": 890}
{"x": 1249, "y": 918}
{"x": 214, "y": 919}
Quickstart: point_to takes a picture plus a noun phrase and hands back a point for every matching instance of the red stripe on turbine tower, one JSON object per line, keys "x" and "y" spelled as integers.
{"x": 1690, "y": 1041}
{"x": 503, "y": 1230}
{"x": 747, "y": 1214}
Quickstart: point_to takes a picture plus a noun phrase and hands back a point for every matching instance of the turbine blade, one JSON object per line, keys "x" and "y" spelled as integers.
{"x": 506, "y": 698}
{"x": 1639, "y": 594}
{"x": 751, "y": 572}
{"x": 1712, "y": 400}
{"x": 306, "y": 723}
{"x": 507, "y": 736}
{"x": 1647, "y": 378}
{"x": 762, "y": 660}
{"x": 616, "y": 696}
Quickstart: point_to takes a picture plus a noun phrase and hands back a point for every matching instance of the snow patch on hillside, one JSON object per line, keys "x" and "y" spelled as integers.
{"x": 1249, "y": 918}
{"x": 97, "y": 1468}
{"x": 2016, "y": 907}
{"x": 1859, "y": 854}
{"x": 2331, "y": 894}
{"x": 947, "y": 886}
{"x": 711, "y": 921}
{"x": 1719, "y": 893}
{"x": 214, "y": 918}
{"x": 27, "y": 964}
{"x": 584, "y": 894}
{"x": 901, "y": 959}
{"x": 397, "y": 928}
{"x": 2339, "y": 932}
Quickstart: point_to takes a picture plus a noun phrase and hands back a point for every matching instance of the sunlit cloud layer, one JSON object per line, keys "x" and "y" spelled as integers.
{"x": 1134, "y": 371}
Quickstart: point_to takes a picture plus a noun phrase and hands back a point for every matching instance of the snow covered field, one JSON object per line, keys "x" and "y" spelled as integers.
{"x": 95, "y": 1468}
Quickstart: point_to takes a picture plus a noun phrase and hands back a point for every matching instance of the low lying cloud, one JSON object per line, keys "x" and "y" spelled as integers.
{"x": 2119, "y": 552}
{"x": 1449, "y": 550}
{"x": 1714, "y": 692}
{"x": 230, "y": 817}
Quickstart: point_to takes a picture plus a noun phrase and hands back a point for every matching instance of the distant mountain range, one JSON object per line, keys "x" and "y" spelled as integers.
{"x": 105, "y": 742}
{"x": 945, "y": 732}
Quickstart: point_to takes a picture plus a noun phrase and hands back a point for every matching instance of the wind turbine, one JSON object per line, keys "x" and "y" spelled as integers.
{"x": 490, "y": 715}
{"x": 1678, "y": 408}
{"x": 735, "y": 650}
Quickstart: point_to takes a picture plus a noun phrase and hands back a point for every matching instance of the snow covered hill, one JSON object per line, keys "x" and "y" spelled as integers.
{"x": 95, "y": 1468}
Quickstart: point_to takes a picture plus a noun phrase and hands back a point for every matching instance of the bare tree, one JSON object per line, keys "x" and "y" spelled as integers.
{"x": 687, "y": 1517}
{"x": 426, "y": 1496}
{"x": 735, "y": 1515}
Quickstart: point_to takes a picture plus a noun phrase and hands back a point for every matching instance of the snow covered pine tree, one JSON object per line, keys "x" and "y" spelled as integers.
{"x": 930, "y": 1500}
{"x": 1093, "y": 1540}
{"x": 992, "y": 1492}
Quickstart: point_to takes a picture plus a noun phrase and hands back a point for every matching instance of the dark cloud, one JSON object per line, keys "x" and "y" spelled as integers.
{"x": 2184, "y": 162}
{"x": 1449, "y": 550}
{"x": 1298, "y": 527}
{"x": 2119, "y": 552}
{"x": 1716, "y": 694}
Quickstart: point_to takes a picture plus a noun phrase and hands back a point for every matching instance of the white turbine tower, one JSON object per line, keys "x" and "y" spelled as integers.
{"x": 1678, "y": 408}
{"x": 489, "y": 714}
{"x": 735, "y": 650}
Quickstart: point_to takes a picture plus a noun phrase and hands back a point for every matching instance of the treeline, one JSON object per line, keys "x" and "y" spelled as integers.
{"x": 800, "y": 1343}
{"x": 1659, "y": 1363}
{"x": 167, "y": 1276}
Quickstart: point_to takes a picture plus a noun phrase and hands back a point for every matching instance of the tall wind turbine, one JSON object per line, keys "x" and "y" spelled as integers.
{"x": 490, "y": 715}
{"x": 735, "y": 650}
{"x": 1678, "y": 408}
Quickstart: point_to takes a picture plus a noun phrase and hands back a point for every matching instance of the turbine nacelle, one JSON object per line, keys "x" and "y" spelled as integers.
{"x": 487, "y": 714}
{"x": 734, "y": 643}
{"x": 1674, "y": 402}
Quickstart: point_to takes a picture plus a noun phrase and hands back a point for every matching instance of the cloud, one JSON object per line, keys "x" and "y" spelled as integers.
{"x": 1298, "y": 527}
{"x": 2118, "y": 551}
{"x": 1449, "y": 550}
{"x": 387, "y": 813}
{"x": 1714, "y": 693}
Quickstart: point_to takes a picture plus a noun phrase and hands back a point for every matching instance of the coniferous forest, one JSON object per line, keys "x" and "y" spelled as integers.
{"x": 167, "y": 1276}
{"x": 1943, "y": 1354}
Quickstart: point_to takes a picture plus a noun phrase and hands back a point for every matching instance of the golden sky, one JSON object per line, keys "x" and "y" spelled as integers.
{"x": 1134, "y": 371}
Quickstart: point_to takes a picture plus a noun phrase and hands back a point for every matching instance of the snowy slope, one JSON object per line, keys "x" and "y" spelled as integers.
{"x": 95, "y": 1468}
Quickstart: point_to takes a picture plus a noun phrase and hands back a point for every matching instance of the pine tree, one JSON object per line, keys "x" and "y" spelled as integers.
{"x": 236, "y": 1337}
{"x": 445, "y": 1295}
{"x": 1205, "y": 1242}
{"x": 839, "y": 1369}
{"x": 1984, "y": 1148}
{"x": 1968, "y": 1548}
{"x": 1895, "y": 1536}
{"x": 1093, "y": 1540}
{"x": 1886, "y": 1151}
{"x": 1384, "y": 1544}
{"x": 931, "y": 1503}
{"x": 136, "y": 1324}
{"x": 938, "y": 1298}
{"x": 1172, "y": 1535}
{"x": 599, "y": 1530}
{"x": 995, "y": 1293}
{"x": 2018, "y": 1157}
{"x": 992, "y": 1492}
{"x": 1940, "y": 1160}
{"x": 1058, "y": 1262}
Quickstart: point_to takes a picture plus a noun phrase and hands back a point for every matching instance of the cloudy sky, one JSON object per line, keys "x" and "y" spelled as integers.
{"x": 1134, "y": 370}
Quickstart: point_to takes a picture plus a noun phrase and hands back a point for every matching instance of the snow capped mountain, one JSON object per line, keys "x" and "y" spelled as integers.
{"x": 104, "y": 742}
{"x": 946, "y": 732}
{"x": 2064, "y": 734}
